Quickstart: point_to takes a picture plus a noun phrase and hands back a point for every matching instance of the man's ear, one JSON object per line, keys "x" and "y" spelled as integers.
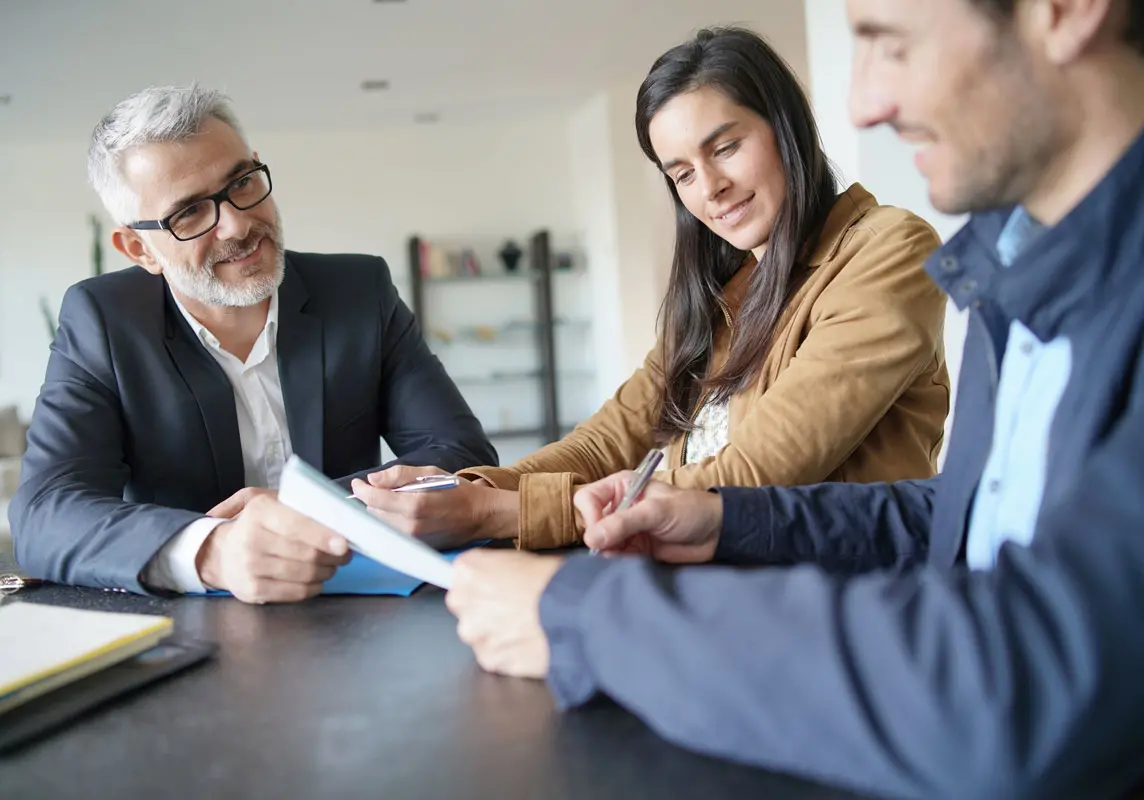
{"x": 129, "y": 243}
{"x": 1067, "y": 28}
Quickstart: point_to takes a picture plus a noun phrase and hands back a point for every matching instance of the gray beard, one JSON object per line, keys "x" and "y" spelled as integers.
{"x": 202, "y": 286}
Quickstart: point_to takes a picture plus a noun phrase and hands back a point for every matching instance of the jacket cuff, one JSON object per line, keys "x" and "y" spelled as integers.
{"x": 547, "y": 517}
{"x": 500, "y": 477}
{"x": 570, "y": 677}
{"x": 747, "y": 536}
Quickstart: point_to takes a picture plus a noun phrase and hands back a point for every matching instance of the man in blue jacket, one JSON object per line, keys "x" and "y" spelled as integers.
{"x": 973, "y": 635}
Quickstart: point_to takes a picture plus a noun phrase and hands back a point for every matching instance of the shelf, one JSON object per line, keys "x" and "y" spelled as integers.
{"x": 539, "y": 329}
{"x": 496, "y": 277}
{"x": 496, "y": 380}
{"x": 490, "y": 334}
{"x": 515, "y": 433}
{"x": 499, "y": 378}
{"x": 526, "y": 433}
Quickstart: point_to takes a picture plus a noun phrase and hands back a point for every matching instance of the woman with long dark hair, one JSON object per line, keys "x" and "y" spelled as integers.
{"x": 801, "y": 340}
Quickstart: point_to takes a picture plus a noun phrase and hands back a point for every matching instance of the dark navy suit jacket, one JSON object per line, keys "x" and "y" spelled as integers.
{"x": 135, "y": 433}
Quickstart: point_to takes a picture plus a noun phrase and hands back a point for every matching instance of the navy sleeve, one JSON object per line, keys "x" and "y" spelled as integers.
{"x": 425, "y": 420}
{"x": 839, "y": 526}
{"x": 1021, "y": 681}
{"x": 69, "y": 521}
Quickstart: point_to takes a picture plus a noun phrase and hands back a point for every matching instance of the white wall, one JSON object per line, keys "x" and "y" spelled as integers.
{"x": 625, "y": 214}
{"x": 877, "y": 158}
{"x": 45, "y": 246}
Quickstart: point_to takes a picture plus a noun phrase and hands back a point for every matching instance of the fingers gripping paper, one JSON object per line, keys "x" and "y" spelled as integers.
{"x": 308, "y": 492}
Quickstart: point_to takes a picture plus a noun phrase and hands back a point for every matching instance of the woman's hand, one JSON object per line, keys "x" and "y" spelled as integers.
{"x": 443, "y": 518}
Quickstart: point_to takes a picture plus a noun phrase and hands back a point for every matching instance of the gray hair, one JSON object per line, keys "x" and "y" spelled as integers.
{"x": 156, "y": 114}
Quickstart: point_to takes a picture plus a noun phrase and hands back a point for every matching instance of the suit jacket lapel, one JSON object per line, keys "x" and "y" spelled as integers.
{"x": 215, "y": 397}
{"x": 301, "y": 368}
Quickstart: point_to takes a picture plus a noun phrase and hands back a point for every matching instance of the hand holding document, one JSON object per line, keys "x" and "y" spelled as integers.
{"x": 308, "y": 492}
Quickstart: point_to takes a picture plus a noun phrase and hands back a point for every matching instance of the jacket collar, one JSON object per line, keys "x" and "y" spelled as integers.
{"x": 301, "y": 368}
{"x": 851, "y": 205}
{"x": 1078, "y": 261}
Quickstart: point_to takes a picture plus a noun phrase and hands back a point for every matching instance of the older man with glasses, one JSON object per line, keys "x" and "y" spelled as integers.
{"x": 177, "y": 390}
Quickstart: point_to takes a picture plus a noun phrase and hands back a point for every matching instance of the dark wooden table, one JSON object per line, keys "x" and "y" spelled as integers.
{"x": 353, "y": 697}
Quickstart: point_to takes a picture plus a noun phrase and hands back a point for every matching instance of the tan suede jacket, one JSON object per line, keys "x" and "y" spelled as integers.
{"x": 854, "y": 388}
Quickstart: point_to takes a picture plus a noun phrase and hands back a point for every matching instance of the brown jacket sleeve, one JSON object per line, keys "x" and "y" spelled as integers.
{"x": 873, "y": 329}
{"x": 616, "y": 437}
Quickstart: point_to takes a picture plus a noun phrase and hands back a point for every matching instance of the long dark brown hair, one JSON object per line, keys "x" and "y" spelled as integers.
{"x": 741, "y": 65}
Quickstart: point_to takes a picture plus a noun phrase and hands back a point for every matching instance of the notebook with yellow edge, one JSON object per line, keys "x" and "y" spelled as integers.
{"x": 45, "y": 647}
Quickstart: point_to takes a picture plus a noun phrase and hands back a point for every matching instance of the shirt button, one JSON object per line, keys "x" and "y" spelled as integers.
{"x": 994, "y": 486}
{"x": 1027, "y": 348}
{"x": 967, "y": 287}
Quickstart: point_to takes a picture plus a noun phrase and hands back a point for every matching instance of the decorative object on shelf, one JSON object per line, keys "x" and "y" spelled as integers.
{"x": 470, "y": 264}
{"x": 510, "y": 255}
{"x": 434, "y": 261}
{"x": 564, "y": 261}
{"x": 96, "y": 270}
{"x": 483, "y": 334}
{"x": 96, "y": 244}
{"x": 441, "y": 334}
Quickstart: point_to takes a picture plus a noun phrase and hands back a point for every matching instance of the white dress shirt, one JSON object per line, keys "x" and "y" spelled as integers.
{"x": 262, "y": 431}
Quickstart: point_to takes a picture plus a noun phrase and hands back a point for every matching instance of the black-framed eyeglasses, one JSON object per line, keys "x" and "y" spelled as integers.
{"x": 200, "y": 217}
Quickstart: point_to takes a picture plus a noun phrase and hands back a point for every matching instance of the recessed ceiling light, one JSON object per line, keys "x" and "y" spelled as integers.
{"x": 374, "y": 85}
{"x": 427, "y": 118}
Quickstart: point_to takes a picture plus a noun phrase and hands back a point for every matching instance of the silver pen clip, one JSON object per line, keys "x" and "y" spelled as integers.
{"x": 10, "y": 584}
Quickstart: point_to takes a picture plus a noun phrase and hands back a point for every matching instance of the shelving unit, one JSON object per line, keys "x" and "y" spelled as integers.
{"x": 500, "y": 341}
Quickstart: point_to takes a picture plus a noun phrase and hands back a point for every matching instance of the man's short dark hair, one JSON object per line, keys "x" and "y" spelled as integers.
{"x": 1133, "y": 32}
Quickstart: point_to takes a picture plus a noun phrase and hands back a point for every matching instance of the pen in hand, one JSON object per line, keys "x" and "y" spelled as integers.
{"x": 426, "y": 483}
{"x": 643, "y": 474}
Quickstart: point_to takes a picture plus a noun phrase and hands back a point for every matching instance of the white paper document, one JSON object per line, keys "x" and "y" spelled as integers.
{"x": 309, "y": 492}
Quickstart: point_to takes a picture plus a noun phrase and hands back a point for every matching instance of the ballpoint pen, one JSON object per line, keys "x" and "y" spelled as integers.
{"x": 643, "y": 474}
{"x": 426, "y": 483}
{"x": 10, "y": 583}
{"x": 430, "y": 483}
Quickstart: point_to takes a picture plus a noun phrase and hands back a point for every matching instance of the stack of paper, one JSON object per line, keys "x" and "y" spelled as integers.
{"x": 45, "y": 647}
{"x": 309, "y": 492}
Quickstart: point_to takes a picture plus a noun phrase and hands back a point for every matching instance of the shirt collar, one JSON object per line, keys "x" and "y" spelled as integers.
{"x": 208, "y": 339}
{"x": 1019, "y": 231}
{"x": 1088, "y": 255}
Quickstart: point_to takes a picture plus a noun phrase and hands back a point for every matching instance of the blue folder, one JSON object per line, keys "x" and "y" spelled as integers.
{"x": 365, "y": 576}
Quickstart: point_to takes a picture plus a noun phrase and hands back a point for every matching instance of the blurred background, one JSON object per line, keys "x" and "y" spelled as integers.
{"x": 485, "y": 149}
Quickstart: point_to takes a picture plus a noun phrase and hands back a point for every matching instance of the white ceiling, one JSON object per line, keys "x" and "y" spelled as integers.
{"x": 298, "y": 64}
